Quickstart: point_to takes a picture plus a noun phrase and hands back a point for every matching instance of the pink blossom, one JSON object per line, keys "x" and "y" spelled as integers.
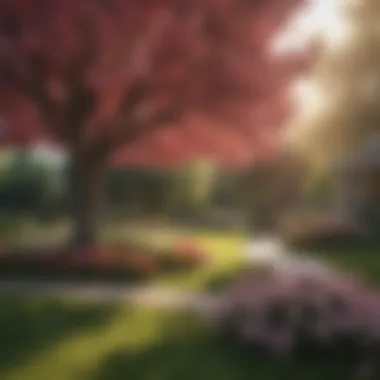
{"x": 339, "y": 304}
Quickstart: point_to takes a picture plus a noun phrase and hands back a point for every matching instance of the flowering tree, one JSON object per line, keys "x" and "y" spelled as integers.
{"x": 98, "y": 76}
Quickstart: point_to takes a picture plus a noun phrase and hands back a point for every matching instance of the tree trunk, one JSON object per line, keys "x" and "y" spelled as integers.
{"x": 87, "y": 181}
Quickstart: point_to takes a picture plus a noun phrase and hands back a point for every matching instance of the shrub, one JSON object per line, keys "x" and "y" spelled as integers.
{"x": 10, "y": 225}
{"x": 301, "y": 317}
{"x": 323, "y": 232}
{"x": 114, "y": 260}
{"x": 183, "y": 255}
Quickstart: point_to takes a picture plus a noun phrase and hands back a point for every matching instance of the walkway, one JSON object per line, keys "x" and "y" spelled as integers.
{"x": 146, "y": 295}
{"x": 270, "y": 251}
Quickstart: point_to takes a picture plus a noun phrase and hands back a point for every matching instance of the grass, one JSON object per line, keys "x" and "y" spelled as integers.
{"x": 45, "y": 339}
{"x": 365, "y": 263}
{"x": 224, "y": 255}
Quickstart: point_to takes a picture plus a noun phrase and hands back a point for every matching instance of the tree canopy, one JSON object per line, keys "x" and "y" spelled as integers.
{"x": 106, "y": 74}
{"x": 141, "y": 80}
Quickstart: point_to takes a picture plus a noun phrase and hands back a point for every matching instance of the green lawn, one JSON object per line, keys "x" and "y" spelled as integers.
{"x": 223, "y": 251}
{"x": 366, "y": 263}
{"x": 49, "y": 340}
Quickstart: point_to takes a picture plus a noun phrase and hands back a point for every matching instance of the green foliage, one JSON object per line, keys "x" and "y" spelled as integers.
{"x": 192, "y": 186}
{"x": 29, "y": 185}
{"x": 133, "y": 190}
{"x": 272, "y": 188}
{"x": 320, "y": 188}
{"x": 38, "y": 186}
{"x": 186, "y": 190}
{"x": 10, "y": 224}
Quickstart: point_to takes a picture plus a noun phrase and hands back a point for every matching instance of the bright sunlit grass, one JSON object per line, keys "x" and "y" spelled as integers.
{"x": 68, "y": 341}
{"x": 223, "y": 250}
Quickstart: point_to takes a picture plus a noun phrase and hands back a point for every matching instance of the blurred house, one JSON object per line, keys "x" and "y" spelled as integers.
{"x": 357, "y": 189}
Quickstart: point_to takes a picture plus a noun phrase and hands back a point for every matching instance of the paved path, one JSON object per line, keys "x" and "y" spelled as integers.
{"x": 148, "y": 295}
{"x": 271, "y": 252}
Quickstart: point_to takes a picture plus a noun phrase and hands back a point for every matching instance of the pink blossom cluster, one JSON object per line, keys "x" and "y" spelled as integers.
{"x": 288, "y": 316}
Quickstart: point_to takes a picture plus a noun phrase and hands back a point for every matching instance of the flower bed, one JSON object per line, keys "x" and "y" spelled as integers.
{"x": 184, "y": 255}
{"x": 127, "y": 262}
{"x": 181, "y": 254}
{"x": 106, "y": 263}
{"x": 301, "y": 317}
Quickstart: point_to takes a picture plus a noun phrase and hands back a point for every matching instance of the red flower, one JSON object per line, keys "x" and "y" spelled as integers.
{"x": 188, "y": 251}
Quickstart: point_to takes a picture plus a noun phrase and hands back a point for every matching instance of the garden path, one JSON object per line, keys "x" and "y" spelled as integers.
{"x": 266, "y": 250}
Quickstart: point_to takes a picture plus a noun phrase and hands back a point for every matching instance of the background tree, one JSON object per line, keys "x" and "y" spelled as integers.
{"x": 342, "y": 105}
{"x": 30, "y": 184}
{"x": 190, "y": 188}
{"x": 100, "y": 75}
{"x": 273, "y": 187}
{"x": 133, "y": 190}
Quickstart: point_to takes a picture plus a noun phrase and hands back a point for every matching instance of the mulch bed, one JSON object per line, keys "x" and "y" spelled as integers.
{"x": 95, "y": 263}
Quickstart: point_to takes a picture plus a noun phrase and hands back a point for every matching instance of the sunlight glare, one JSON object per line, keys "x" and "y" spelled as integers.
{"x": 321, "y": 19}
{"x": 308, "y": 96}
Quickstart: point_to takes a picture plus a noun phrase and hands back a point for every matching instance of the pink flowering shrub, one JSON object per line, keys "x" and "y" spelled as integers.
{"x": 299, "y": 317}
